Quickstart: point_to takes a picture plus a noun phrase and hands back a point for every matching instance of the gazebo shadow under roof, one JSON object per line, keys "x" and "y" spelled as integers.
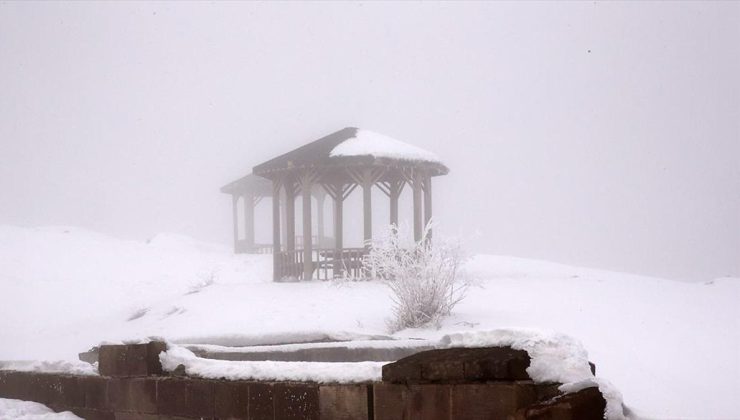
{"x": 333, "y": 165}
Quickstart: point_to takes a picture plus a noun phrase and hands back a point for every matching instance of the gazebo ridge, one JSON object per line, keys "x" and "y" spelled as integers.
{"x": 333, "y": 165}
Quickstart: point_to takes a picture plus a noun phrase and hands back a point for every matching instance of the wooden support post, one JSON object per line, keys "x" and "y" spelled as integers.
{"x": 320, "y": 196}
{"x": 428, "y": 206}
{"x": 284, "y": 218}
{"x": 418, "y": 228}
{"x": 290, "y": 215}
{"x": 338, "y": 229}
{"x": 394, "y": 194}
{"x": 306, "y": 183}
{"x": 338, "y": 218}
{"x": 235, "y": 217}
{"x": 276, "y": 272}
{"x": 249, "y": 221}
{"x": 367, "y": 210}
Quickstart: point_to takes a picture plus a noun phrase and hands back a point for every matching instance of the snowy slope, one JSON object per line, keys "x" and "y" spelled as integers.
{"x": 672, "y": 348}
{"x": 27, "y": 410}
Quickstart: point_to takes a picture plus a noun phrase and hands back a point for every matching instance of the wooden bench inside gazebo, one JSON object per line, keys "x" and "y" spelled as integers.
{"x": 333, "y": 166}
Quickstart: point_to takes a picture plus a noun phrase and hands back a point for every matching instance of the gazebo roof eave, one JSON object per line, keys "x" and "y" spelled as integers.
{"x": 248, "y": 183}
{"x": 359, "y": 162}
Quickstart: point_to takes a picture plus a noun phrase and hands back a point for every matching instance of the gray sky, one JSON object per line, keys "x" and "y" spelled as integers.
{"x": 600, "y": 134}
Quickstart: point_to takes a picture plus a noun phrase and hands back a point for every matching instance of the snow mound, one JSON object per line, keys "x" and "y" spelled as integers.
{"x": 370, "y": 143}
{"x": 71, "y": 367}
{"x": 554, "y": 357}
{"x": 321, "y": 372}
{"x": 389, "y": 343}
{"x": 27, "y": 410}
{"x": 245, "y": 340}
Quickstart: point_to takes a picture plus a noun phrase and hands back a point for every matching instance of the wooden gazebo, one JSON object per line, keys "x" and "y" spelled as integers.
{"x": 335, "y": 165}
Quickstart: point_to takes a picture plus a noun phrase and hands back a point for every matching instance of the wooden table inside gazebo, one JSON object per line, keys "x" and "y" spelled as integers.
{"x": 337, "y": 164}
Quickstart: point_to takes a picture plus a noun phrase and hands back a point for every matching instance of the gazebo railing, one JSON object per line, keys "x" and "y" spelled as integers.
{"x": 243, "y": 247}
{"x": 262, "y": 249}
{"x": 326, "y": 263}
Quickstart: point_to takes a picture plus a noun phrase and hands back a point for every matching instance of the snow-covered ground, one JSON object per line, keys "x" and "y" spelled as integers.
{"x": 672, "y": 348}
{"x": 27, "y": 410}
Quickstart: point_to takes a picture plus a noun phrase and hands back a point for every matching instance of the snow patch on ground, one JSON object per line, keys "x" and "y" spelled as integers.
{"x": 370, "y": 143}
{"x": 26, "y": 410}
{"x": 321, "y": 372}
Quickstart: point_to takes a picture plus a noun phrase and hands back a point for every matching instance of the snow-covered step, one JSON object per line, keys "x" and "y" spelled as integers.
{"x": 342, "y": 351}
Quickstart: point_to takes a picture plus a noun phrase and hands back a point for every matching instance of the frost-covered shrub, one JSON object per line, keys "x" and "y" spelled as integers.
{"x": 425, "y": 277}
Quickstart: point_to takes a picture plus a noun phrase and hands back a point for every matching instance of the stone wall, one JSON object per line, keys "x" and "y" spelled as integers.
{"x": 489, "y": 383}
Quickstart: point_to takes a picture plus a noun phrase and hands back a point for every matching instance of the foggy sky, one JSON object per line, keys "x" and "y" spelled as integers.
{"x": 599, "y": 134}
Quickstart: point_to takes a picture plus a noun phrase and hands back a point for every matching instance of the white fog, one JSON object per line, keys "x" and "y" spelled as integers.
{"x": 584, "y": 157}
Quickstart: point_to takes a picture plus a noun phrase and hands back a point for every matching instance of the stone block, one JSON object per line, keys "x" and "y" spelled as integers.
{"x": 130, "y": 359}
{"x": 494, "y": 400}
{"x": 497, "y": 365}
{"x": 389, "y": 401}
{"x": 344, "y": 402}
{"x": 112, "y": 360}
{"x": 15, "y": 385}
{"x": 154, "y": 348}
{"x": 172, "y": 396}
{"x": 185, "y": 397}
{"x": 117, "y": 394}
{"x": 429, "y": 402}
{"x": 201, "y": 398}
{"x": 40, "y": 389}
{"x": 261, "y": 404}
{"x": 231, "y": 399}
{"x": 459, "y": 365}
{"x": 407, "y": 370}
{"x": 296, "y": 401}
{"x": 5, "y": 384}
{"x": 444, "y": 370}
{"x": 136, "y": 360}
{"x": 69, "y": 391}
{"x": 547, "y": 391}
{"x": 96, "y": 391}
{"x": 47, "y": 389}
{"x": 586, "y": 404}
{"x": 142, "y": 393}
{"x": 421, "y": 401}
{"x": 137, "y": 395}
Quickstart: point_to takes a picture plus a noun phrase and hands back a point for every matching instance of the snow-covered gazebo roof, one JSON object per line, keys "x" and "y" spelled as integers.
{"x": 356, "y": 147}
